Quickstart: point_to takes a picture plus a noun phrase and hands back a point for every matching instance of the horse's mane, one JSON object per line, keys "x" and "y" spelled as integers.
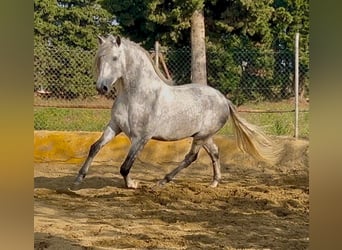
{"x": 128, "y": 42}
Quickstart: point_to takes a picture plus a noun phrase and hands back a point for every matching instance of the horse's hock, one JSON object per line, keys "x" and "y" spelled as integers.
{"x": 73, "y": 147}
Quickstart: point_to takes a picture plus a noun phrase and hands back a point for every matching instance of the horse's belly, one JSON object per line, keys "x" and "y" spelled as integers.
{"x": 172, "y": 137}
{"x": 176, "y": 130}
{"x": 176, "y": 135}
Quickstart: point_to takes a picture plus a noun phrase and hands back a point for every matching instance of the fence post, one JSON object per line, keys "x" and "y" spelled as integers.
{"x": 296, "y": 83}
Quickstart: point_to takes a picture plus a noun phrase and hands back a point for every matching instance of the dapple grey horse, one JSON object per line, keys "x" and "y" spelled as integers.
{"x": 146, "y": 107}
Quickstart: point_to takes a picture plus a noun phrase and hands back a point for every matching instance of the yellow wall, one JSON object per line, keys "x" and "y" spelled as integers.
{"x": 73, "y": 147}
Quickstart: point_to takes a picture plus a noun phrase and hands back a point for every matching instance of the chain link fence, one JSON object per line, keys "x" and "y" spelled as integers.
{"x": 65, "y": 97}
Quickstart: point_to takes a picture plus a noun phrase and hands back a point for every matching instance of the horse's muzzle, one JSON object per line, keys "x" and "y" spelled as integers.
{"x": 102, "y": 89}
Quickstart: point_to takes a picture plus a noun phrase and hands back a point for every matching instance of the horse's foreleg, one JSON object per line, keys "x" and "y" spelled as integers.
{"x": 211, "y": 148}
{"x": 136, "y": 147}
{"x": 189, "y": 158}
{"x": 108, "y": 134}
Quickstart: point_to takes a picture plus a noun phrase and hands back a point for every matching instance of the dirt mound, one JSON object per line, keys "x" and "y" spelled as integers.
{"x": 256, "y": 206}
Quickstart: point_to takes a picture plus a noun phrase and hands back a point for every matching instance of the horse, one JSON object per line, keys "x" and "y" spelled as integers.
{"x": 148, "y": 107}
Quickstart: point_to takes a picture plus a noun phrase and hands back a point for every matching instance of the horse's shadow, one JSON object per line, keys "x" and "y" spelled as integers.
{"x": 66, "y": 182}
{"x": 47, "y": 241}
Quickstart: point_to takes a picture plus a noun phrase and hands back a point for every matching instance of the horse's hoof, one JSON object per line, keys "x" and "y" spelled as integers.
{"x": 78, "y": 181}
{"x": 132, "y": 184}
{"x": 214, "y": 184}
{"x": 162, "y": 182}
{"x": 80, "y": 178}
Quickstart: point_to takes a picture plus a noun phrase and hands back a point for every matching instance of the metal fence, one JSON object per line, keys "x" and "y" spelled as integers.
{"x": 63, "y": 82}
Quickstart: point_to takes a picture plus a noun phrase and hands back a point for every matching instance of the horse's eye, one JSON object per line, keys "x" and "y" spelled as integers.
{"x": 115, "y": 58}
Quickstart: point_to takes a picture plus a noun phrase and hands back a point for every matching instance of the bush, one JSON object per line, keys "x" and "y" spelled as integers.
{"x": 66, "y": 72}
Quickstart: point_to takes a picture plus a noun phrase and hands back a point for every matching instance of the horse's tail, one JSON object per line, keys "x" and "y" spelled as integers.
{"x": 251, "y": 139}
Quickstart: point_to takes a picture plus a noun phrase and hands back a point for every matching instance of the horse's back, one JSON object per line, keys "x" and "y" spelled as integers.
{"x": 190, "y": 110}
{"x": 204, "y": 97}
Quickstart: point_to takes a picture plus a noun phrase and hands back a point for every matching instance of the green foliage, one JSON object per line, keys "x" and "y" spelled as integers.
{"x": 243, "y": 17}
{"x": 74, "y": 23}
{"x": 146, "y": 21}
{"x": 290, "y": 17}
{"x": 224, "y": 73}
{"x": 263, "y": 26}
{"x": 65, "y": 72}
{"x": 65, "y": 32}
{"x": 232, "y": 28}
{"x": 244, "y": 72}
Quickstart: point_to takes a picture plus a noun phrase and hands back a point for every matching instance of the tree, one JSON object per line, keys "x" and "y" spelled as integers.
{"x": 290, "y": 17}
{"x": 261, "y": 27}
{"x": 64, "y": 33}
{"x": 198, "y": 48}
{"x": 75, "y": 23}
{"x": 147, "y": 21}
{"x": 167, "y": 21}
{"x": 244, "y": 18}
{"x": 240, "y": 38}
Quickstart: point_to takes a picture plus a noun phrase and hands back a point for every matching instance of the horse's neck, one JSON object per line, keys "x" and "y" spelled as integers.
{"x": 140, "y": 70}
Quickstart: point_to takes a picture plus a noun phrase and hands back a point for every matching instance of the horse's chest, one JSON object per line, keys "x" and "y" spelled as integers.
{"x": 131, "y": 119}
{"x": 120, "y": 116}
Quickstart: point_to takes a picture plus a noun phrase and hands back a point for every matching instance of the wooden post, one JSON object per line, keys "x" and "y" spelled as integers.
{"x": 296, "y": 83}
{"x": 156, "y": 58}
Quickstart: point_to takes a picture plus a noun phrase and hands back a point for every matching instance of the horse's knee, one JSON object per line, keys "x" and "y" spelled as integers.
{"x": 191, "y": 157}
{"x": 94, "y": 148}
{"x": 213, "y": 152}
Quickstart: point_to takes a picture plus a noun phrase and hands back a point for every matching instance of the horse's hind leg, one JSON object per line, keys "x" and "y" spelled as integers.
{"x": 213, "y": 152}
{"x": 189, "y": 158}
{"x": 108, "y": 134}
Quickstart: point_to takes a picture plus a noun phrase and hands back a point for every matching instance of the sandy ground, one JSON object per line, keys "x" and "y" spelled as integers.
{"x": 255, "y": 207}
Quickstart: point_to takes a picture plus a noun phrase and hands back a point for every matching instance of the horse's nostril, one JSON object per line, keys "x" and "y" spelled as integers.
{"x": 104, "y": 88}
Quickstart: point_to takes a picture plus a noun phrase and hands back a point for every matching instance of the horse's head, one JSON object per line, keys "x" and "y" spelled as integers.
{"x": 109, "y": 63}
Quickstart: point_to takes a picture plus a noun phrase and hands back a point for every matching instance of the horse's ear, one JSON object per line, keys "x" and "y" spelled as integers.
{"x": 100, "y": 39}
{"x": 118, "y": 40}
{"x": 115, "y": 40}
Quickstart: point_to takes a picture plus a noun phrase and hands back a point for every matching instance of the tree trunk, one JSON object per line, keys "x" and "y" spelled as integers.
{"x": 198, "y": 57}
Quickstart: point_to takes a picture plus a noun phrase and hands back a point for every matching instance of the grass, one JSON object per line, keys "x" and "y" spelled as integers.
{"x": 280, "y": 124}
{"x": 70, "y": 119}
{"x": 80, "y": 119}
